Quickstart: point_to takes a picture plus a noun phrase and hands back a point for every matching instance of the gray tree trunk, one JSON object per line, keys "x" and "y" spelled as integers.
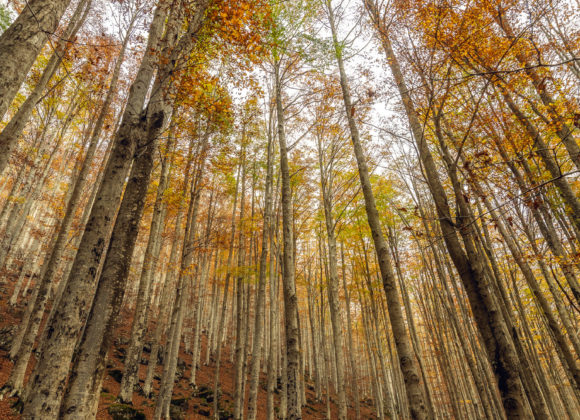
{"x": 35, "y": 311}
{"x": 88, "y": 370}
{"x": 139, "y": 324}
{"x": 351, "y": 350}
{"x": 288, "y": 279}
{"x": 222, "y": 315}
{"x": 415, "y": 394}
{"x": 185, "y": 277}
{"x": 20, "y": 44}
{"x": 261, "y": 299}
{"x": 10, "y": 134}
{"x": 240, "y": 336}
{"x": 326, "y": 184}
{"x": 273, "y": 327}
{"x": 167, "y": 298}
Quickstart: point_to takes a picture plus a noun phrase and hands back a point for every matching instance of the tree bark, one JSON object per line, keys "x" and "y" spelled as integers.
{"x": 261, "y": 299}
{"x": 415, "y": 395}
{"x": 332, "y": 285}
{"x": 288, "y": 278}
{"x": 239, "y": 344}
{"x": 168, "y": 294}
{"x": 88, "y": 370}
{"x": 186, "y": 274}
{"x": 35, "y": 311}
{"x": 20, "y": 44}
{"x": 222, "y": 315}
{"x": 139, "y": 324}
{"x": 354, "y": 371}
{"x": 10, "y": 134}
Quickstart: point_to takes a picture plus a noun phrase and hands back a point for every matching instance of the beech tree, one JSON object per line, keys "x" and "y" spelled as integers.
{"x": 21, "y": 43}
{"x": 347, "y": 209}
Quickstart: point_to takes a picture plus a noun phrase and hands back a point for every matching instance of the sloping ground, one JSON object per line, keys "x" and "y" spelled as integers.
{"x": 187, "y": 403}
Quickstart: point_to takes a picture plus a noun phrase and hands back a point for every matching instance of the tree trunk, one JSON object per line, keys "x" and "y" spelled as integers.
{"x": 186, "y": 274}
{"x": 415, "y": 395}
{"x": 20, "y": 44}
{"x": 239, "y": 344}
{"x": 222, "y": 315}
{"x": 274, "y": 349}
{"x": 261, "y": 299}
{"x": 35, "y": 311}
{"x": 354, "y": 371}
{"x": 88, "y": 370}
{"x": 571, "y": 201}
{"x": 563, "y": 130}
{"x": 10, "y": 134}
{"x": 332, "y": 286}
{"x": 139, "y": 324}
{"x": 168, "y": 295}
{"x": 289, "y": 285}
{"x": 540, "y": 299}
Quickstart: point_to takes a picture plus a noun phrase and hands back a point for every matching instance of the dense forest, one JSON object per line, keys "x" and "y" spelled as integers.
{"x": 300, "y": 209}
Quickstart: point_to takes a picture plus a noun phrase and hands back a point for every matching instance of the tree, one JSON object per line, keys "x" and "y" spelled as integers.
{"x": 415, "y": 395}
{"x": 21, "y": 43}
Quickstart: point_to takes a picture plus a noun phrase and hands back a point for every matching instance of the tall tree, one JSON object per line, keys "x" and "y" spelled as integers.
{"x": 10, "y": 134}
{"x": 415, "y": 394}
{"x": 21, "y": 43}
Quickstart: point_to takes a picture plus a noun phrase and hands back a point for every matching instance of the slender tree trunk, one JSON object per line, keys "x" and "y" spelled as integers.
{"x": 167, "y": 299}
{"x": 546, "y": 229}
{"x": 139, "y": 324}
{"x": 540, "y": 299}
{"x": 239, "y": 344}
{"x": 89, "y": 366}
{"x": 354, "y": 371}
{"x": 409, "y": 313}
{"x": 25, "y": 270}
{"x": 273, "y": 350}
{"x": 35, "y": 311}
{"x": 563, "y": 130}
{"x": 199, "y": 299}
{"x": 289, "y": 284}
{"x": 16, "y": 224}
{"x": 332, "y": 286}
{"x": 186, "y": 274}
{"x": 415, "y": 395}
{"x": 222, "y": 317}
{"x": 314, "y": 332}
{"x": 261, "y": 299}
{"x": 571, "y": 201}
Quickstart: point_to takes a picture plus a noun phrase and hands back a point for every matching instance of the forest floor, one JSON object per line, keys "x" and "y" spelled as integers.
{"x": 187, "y": 402}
